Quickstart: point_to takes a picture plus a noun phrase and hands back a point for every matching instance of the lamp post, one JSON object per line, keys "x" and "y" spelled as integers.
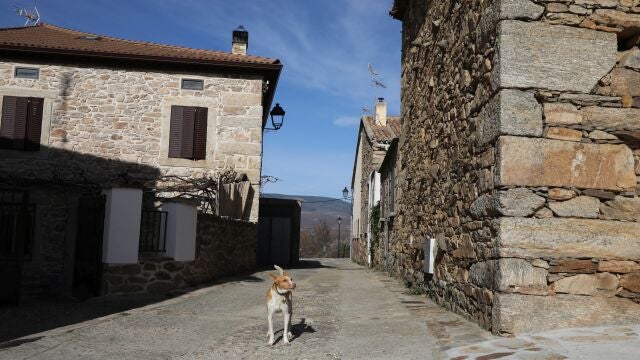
{"x": 339, "y": 222}
{"x": 345, "y": 195}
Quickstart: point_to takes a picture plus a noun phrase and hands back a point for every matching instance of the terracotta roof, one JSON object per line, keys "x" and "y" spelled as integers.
{"x": 53, "y": 39}
{"x": 379, "y": 133}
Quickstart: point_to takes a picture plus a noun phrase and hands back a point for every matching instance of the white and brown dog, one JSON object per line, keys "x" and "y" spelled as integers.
{"x": 280, "y": 299}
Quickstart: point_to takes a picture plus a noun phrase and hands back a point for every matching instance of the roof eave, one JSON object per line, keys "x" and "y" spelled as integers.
{"x": 276, "y": 65}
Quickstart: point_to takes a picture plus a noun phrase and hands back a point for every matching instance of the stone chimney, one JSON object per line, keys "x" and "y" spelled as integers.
{"x": 381, "y": 112}
{"x": 240, "y": 41}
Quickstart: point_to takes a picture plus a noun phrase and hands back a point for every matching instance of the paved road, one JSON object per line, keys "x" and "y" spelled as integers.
{"x": 342, "y": 311}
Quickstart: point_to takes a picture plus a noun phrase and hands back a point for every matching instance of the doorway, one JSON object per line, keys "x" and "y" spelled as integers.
{"x": 87, "y": 270}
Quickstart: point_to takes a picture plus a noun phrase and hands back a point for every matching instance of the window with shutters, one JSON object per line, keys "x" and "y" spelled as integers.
{"x": 21, "y": 123}
{"x": 188, "y": 132}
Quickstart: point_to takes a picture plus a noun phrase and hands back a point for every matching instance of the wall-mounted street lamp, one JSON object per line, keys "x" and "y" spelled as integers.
{"x": 345, "y": 193}
{"x": 277, "y": 117}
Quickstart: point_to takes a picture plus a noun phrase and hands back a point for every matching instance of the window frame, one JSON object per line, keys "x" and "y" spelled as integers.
{"x": 18, "y": 68}
{"x": 187, "y": 80}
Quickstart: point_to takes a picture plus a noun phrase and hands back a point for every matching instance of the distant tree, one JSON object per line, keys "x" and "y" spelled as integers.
{"x": 319, "y": 242}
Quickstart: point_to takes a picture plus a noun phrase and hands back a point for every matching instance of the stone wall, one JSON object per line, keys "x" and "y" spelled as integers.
{"x": 523, "y": 161}
{"x": 223, "y": 247}
{"x": 446, "y": 68}
{"x": 359, "y": 252}
{"x": 371, "y": 157}
{"x": 122, "y": 115}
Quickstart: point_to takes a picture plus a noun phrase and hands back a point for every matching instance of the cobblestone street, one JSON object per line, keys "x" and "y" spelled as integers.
{"x": 342, "y": 311}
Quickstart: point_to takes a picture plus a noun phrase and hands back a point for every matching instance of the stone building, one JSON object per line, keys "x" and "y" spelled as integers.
{"x": 519, "y": 156}
{"x": 388, "y": 196}
{"x": 92, "y": 128}
{"x": 374, "y": 137}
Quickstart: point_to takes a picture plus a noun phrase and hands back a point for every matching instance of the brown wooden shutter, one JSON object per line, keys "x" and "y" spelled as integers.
{"x": 200, "y": 134}
{"x": 188, "y": 125}
{"x": 175, "y": 132}
{"x": 9, "y": 104}
{"x": 20, "y": 122}
{"x": 34, "y": 124}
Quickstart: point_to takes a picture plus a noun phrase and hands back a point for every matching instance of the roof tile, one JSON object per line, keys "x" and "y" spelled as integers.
{"x": 45, "y": 36}
{"x": 381, "y": 133}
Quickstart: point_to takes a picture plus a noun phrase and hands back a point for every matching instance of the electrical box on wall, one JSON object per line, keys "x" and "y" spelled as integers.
{"x": 429, "y": 255}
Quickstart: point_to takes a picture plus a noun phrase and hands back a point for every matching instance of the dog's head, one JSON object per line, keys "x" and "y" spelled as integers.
{"x": 283, "y": 281}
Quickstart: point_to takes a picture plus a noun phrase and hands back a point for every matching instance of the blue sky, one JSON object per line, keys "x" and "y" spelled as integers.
{"x": 325, "y": 47}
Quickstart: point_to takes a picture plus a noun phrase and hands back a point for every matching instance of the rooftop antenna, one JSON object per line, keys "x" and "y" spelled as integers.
{"x": 33, "y": 17}
{"x": 375, "y": 77}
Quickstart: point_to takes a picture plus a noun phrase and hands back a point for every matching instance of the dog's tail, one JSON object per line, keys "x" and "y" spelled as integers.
{"x": 279, "y": 270}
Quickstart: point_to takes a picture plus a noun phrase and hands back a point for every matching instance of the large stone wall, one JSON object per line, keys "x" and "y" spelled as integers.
{"x": 446, "y": 71}
{"x": 223, "y": 247}
{"x": 523, "y": 161}
{"x": 122, "y": 116}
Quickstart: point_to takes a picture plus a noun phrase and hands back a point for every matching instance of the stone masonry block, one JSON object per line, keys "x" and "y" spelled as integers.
{"x": 593, "y": 116}
{"x": 545, "y": 162}
{"x": 554, "y": 57}
{"x": 567, "y": 238}
{"x": 510, "y": 112}
{"x": 513, "y": 202}
{"x": 235, "y": 148}
{"x": 516, "y": 314}
{"x": 506, "y": 274}
{"x": 506, "y": 10}
{"x": 579, "y": 207}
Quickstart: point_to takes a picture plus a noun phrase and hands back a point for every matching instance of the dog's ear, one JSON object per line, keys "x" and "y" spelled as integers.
{"x": 273, "y": 276}
{"x": 279, "y": 270}
{"x": 285, "y": 274}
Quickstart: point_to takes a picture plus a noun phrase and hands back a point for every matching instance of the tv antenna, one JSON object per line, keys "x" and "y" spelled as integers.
{"x": 33, "y": 17}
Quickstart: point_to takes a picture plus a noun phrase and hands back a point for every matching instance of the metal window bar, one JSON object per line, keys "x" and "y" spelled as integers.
{"x": 153, "y": 231}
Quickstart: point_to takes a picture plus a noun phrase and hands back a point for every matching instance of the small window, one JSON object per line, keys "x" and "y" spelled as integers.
{"x": 192, "y": 84}
{"x": 27, "y": 73}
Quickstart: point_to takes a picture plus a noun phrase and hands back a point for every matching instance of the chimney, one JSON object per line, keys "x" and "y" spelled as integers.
{"x": 381, "y": 112}
{"x": 240, "y": 41}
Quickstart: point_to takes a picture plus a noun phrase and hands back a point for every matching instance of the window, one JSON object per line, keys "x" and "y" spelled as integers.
{"x": 192, "y": 84}
{"x": 27, "y": 73}
{"x": 21, "y": 123}
{"x": 188, "y": 132}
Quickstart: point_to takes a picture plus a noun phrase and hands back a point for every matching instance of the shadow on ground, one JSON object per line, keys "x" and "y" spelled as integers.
{"x": 37, "y": 315}
{"x": 34, "y": 316}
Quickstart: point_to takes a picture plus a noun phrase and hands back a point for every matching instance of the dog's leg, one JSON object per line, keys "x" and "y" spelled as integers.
{"x": 270, "y": 332}
{"x": 287, "y": 327}
{"x": 290, "y": 318}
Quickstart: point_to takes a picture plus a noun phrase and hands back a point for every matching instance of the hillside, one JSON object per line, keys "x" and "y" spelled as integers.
{"x": 315, "y": 209}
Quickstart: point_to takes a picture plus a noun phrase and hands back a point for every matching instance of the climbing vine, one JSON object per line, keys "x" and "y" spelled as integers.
{"x": 374, "y": 220}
